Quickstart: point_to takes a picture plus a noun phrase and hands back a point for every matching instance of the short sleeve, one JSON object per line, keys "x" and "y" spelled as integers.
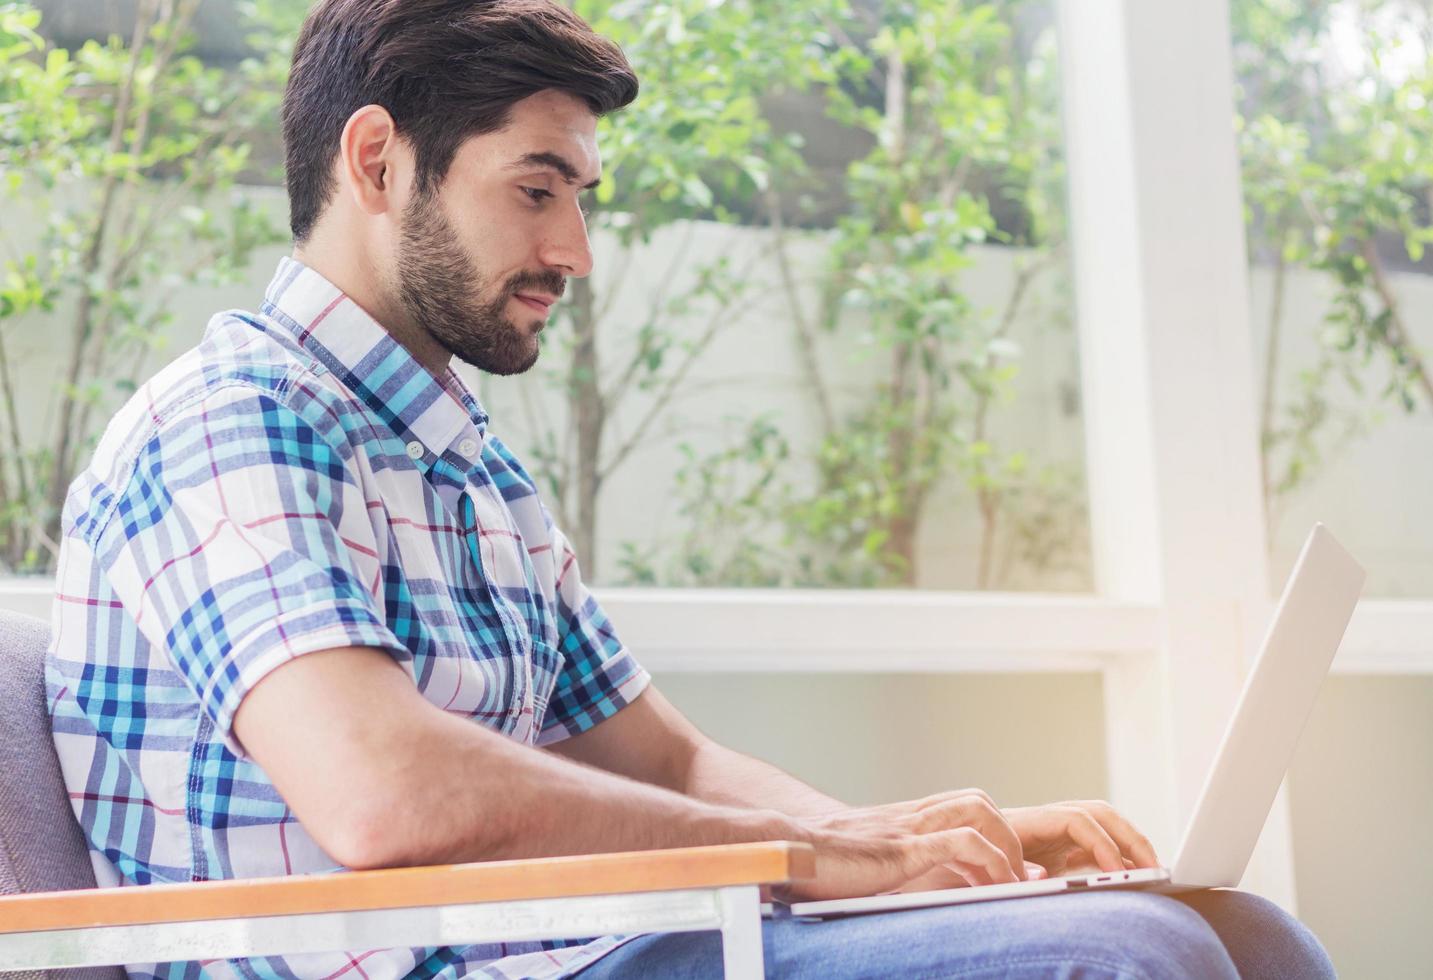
{"x": 598, "y": 676}
{"x": 240, "y": 542}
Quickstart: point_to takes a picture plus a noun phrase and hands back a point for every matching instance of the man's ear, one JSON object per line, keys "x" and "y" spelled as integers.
{"x": 370, "y": 159}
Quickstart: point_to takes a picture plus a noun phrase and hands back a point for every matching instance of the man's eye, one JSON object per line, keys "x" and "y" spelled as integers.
{"x": 537, "y": 194}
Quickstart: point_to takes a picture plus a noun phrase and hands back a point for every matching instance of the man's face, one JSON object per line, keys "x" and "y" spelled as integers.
{"x": 482, "y": 258}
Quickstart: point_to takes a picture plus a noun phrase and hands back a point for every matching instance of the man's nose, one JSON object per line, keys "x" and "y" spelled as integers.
{"x": 568, "y": 247}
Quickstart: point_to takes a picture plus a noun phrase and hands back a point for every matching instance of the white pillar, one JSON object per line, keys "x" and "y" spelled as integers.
{"x": 1167, "y": 360}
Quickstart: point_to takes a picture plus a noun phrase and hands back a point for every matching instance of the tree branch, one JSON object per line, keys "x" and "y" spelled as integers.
{"x": 89, "y": 264}
{"x": 719, "y": 319}
{"x": 806, "y": 336}
{"x": 14, "y": 521}
{"x": 177, "y": 20}
{"x": 614, "y": 395}
{"x": 1398, "y": 340}
{"x": 1271, "y": 383}
{"x": 987, "y": 498}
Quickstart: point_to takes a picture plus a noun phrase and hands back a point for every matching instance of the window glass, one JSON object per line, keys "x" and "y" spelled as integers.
{"x": 1336, "y": 138}
{"x": 828, "y": 341}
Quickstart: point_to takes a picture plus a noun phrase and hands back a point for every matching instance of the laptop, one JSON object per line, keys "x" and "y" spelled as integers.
{"x": 1258, "y": 744}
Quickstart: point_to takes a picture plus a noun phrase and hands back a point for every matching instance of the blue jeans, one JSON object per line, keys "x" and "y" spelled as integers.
{"x": 1127, "y": 935}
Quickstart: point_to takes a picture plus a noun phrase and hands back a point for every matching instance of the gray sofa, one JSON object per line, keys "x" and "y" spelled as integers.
{"x": 41, "y": 846}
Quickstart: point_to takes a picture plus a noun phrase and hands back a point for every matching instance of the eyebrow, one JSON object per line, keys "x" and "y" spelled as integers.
{"x": 556, "y": 161}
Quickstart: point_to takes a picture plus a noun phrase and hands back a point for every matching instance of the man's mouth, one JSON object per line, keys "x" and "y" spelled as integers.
{"x": 539, "y": 303}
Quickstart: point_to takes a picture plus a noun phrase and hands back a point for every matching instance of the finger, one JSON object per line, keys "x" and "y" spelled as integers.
{"x": 1086, "y": 831}
{"x": 936, "y": 879}
{"x": 977, "y": 812}
{"x": 949, "y": 876}
{"x": 966, "y": 876}
{"x": 973, "y": 876}
{"x": 960, "y": 852}
{"x": 1132, "y": 843}
{"x": 1034, "y": 872}
{"x": 977, "y": 859}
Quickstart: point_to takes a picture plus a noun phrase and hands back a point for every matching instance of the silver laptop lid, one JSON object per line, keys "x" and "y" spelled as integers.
{"x": 1259, "y": 743}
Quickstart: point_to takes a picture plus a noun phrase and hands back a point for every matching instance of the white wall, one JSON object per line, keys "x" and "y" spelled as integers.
{"x": 1362, "y": 791}
{"x": 871, "y": 738}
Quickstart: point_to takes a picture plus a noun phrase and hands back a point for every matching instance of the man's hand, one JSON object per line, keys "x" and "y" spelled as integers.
{"x": 961, "y": 836}
{"x": 1068, "y": 837}
{"x": 1051, "y": 840}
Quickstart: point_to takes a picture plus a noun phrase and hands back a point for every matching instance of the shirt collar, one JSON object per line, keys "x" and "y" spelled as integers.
{"x": 345, "y": 339}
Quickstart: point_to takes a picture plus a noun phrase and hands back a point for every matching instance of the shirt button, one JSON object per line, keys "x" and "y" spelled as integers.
{"x": 468, "y": 448}
{"x": 415, "y": 450}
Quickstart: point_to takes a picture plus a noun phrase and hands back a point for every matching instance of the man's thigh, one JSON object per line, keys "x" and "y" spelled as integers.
{"x": 1111, "y": 934}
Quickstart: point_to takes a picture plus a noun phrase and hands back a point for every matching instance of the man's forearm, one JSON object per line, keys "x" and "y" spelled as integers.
{"x": 487, "y": 798}
{"x": 726, "y": 777}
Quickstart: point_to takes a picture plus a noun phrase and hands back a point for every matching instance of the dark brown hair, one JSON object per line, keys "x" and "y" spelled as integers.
{"x": 446, "y": 70}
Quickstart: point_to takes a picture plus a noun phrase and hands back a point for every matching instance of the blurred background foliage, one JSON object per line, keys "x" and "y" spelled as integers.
{"x": 137, "y": 145}
{"x": 1336, "y": 139}
{"x": 119, "y": 150}
{"x": 949, "y": 115}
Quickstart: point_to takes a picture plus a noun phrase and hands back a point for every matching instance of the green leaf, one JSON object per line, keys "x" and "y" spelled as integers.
{"x": 697, "y": 192}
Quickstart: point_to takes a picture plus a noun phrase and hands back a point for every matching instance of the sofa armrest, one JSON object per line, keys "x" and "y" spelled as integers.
{"x": 440, "y": 885}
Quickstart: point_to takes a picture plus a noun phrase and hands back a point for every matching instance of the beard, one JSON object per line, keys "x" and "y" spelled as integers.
{"x": 438, "y": 286}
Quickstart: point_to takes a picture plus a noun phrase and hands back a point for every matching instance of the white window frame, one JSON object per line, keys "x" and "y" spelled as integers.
{"x": 1177, "y": 528}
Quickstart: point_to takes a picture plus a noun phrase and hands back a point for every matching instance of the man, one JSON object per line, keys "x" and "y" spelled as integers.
{"x": 311, "y": 613}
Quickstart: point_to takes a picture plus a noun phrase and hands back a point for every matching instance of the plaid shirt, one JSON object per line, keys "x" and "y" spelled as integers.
{"x": 298, "y": 482}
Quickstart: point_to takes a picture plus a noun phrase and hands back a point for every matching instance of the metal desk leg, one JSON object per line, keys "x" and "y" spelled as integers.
{"x": 741, "y": 933}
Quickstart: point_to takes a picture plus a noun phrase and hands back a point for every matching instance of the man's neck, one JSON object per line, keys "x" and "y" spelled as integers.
{"x": 361, "y": 282}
